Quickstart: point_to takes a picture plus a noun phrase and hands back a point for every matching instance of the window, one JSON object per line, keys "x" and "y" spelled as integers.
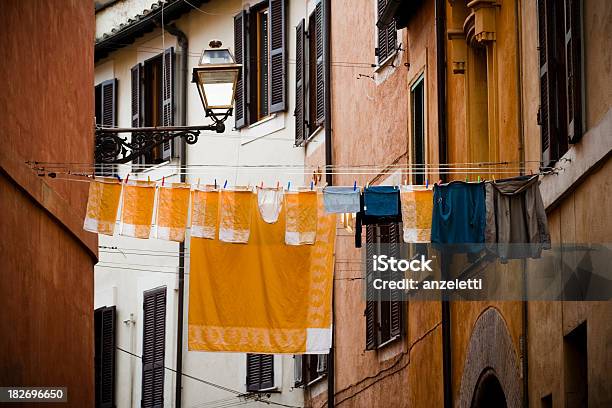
{"x": 576, "y": 367}
{"x": 259, "y": 45}
{"x": 309, "y": 368}
{"x": 384, "y": 316}
{"x": 104, "y": 356}
{"x": 153, "y": 101}
{"x": 417, "y": 99}
{"x": 106, "y": 115}
{"x": 560, "y": 114}
{"x": 310, "y": 76}
{"x": 386, "y": 40}
{"x": 153, "y": 347}
{"x": 260, "y": 372}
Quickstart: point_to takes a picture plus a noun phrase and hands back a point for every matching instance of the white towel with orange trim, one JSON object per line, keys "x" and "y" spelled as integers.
{"x": 172, "y": 211}
{"x": 102, "y": 205}
{"x": 204, "y": 212}
{"x": 417, "y": 206}
{"x": 138, "y": 203}
{"x": 301, "y": 211}
{"x": 236, "y": 208}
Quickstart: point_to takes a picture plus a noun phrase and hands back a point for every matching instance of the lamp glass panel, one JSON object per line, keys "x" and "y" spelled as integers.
{"x": 218, "y": 87}
{"x": 222, "y": 56}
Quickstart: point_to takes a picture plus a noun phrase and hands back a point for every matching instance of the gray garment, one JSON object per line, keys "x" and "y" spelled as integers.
{"x": 516, "y": 224}
{"x": 341, "y": 199}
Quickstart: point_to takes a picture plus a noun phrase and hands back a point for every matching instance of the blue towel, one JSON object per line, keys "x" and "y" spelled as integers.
{"x": 381, "y": 201}
{"x": 459, "y": 215}
{"x": 341, "y": 199}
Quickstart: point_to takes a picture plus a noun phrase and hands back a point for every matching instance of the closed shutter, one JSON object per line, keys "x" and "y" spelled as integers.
{"x": 136, "y": 79}
{"x": 546, "y": 114}
{"x": 260, "y": 372}
{"x": 320, "y": 68}
{"x": 240, "y": 50}
{"x": 573, "y": 28}
{"x": 395, "y": 304}
{"x": 167, "y": 97}
{"x": 153, "y": 348}
{"x": 300, "y": 94}
{"x": 387, "y": 35}
{"x": 108, "y": 116}
{"x": 278, "y": 63}
{"x": 104, "y": 320}
{"x": 371, "y": 305}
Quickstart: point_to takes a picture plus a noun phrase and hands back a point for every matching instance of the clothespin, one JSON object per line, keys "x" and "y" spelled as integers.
{"x": 355, "y": 185}
{"x": 225, "y": 184}
{"x": 163, "y": 180}
{"x": 149, "y": 179}
{"x": 311, "y": 185}
{"x": 493, "y": 177}
{"x": 479, "y": 179}
{"x": 531, "y": 172}
{"x": 277, "y": 184}
{"x": 118, "y": 178}
{"x": 198, "y": 183}
{"x": 466, "y": 179}
{"x": 288, "y": 185}
{"x": 215, "y": 184}
{"x": 426, "y": 183}
{"x": 261, "y": 186}
{"x": 440, "y": 182}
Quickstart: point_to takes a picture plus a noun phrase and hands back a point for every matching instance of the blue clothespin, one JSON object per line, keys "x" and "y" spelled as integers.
{"x": 311, "y": 185}
{"x": 225, "y": 184}
{"x": 355, "y": 186}
{"x": 288, "y": 185}
{"x": 426, "y": 183}
{"x": 118, "y": 178}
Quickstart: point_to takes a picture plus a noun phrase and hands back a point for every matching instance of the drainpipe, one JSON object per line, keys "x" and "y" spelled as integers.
{"x": 331, "y": 390}
{"x": 440, "y": 16}
{"x": 183, "y": 44}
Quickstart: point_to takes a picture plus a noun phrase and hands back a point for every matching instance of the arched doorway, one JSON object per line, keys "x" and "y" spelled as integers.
{"x": 489, "y": 392}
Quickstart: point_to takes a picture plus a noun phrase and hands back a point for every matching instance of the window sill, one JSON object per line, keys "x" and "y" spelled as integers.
{"x": 385, "y": 62}
{"x": 316, "y": 380}
{"x": 274, "y": 389}
{"x": 388, "y": 342}
{"x": 314, "y": 134}
{"x": 148, "y": 169}
{"x": 262, "y": 120}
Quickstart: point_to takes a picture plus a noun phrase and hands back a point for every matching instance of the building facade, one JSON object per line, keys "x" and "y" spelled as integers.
{"x": 143, "y": 48}
{"x": 47, "y": 259}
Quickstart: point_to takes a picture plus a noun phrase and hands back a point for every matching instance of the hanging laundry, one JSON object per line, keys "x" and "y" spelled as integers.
{"x": 236, "y": 207}
{"x": 459, "y": 214}
{"x": 381, "y": 201}
{"x": 301, "y": 217}
{"x": 264, "y": 297}
{"x": 137, "y": 213}
{"x": 516, "y": 224}
{"x": 417, "y": 205}
{"x": 341, "y": 199}
{"x": 172, "y": 211}
{"x": 102, "y": 205}
{"x": 204, "y": 212}
{"x": 270, "y": 202}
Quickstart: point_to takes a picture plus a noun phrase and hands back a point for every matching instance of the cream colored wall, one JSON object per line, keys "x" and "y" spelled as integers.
{"x": 267, "y": 142}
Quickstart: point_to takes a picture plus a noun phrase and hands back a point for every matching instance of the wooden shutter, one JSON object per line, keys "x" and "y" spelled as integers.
{"x": 395, "y": 304}
{"x": 153, "y": 348}
{"x": 387, "y": 35}
{"x": 371, "y": 310}
{"x": 300, "y": 77}
{"x": 320, "y": 69}
{"x": 260, "y": 372}
{"x": 240, "y": 51}
{"x": 278, "y": 62}
{"x": 104, "y": 319}
{"x": 546, "y": 114}
{"x": 136, "y": 79}
{"x": 573, "y": 59}
{"x": 167, "y": 97}
{"x": 109, "y": 103}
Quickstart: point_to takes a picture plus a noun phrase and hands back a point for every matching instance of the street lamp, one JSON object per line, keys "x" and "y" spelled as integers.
{"x": 215, "y": 76}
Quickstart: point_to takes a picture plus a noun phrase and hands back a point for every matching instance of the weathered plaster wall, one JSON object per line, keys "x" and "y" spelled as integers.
{"x": 46, "y": 290}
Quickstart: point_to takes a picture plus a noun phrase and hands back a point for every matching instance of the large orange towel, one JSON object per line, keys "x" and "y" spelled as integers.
{"x": 172, "y": 211}
{"x": 204, "y": 212}
{"x": 301, "y": 217}
{"x": 417, "y": 206}
{"x": 235, "y": 215}
{"x": 102, "y": 205}
{"x": 137, "y": 214}
{"x": 264, "y": 297}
